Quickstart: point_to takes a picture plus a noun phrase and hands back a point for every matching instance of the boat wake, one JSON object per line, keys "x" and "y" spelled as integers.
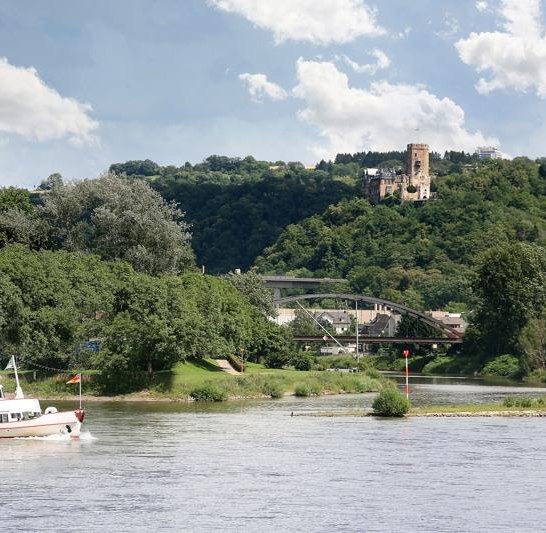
{"x": 84, "y": 436}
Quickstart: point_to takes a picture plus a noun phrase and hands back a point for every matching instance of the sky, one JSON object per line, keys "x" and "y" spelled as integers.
{"x": 87, "y": 84}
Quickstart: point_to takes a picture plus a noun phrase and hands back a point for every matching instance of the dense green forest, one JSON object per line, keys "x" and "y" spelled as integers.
{"x": 237, "y": 207}
{"x": 421, "y": 255}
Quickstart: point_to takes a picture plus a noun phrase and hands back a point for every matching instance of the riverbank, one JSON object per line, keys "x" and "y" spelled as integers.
{"x": 205, "y": 381}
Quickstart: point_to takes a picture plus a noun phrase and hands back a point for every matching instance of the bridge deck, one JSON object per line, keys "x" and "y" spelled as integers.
{"x": 286, "y": 282}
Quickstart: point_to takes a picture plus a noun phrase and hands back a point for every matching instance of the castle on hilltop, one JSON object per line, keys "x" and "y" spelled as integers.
{"x": 411, "y": 185}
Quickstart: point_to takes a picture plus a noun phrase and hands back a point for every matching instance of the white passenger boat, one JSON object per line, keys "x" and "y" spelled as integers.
{"x": 23, "y": 417}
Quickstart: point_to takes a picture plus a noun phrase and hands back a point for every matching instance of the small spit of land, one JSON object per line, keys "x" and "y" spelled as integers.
{"x": 510, "y": 407}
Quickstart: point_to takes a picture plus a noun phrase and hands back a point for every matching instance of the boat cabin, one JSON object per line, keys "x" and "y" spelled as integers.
{"x": 16, "y": 410}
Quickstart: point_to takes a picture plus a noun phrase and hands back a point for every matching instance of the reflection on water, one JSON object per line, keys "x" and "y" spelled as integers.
{"x": 250, "y": 466}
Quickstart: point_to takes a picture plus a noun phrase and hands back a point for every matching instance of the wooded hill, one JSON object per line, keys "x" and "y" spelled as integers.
{"x": 285, "y": 219}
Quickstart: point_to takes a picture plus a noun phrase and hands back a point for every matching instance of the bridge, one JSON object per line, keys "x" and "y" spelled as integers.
{"x": 423, "y": 317}
{"x": 446, "y": 334}
{"x": 381, "y": 340}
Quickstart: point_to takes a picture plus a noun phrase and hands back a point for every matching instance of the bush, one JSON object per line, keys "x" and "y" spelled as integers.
{"x": 209, "y": 393}
{"x": 309, "y": 388}
{"x": 272, "y": 389}
{"x": 525, "y": 402}
{"x": 446, "y": 364}
{"x": 507, "y": 366}
{"x": 392, "y": 403}
{"x": 301, "y": 361}
{"x": 276, "y": 360}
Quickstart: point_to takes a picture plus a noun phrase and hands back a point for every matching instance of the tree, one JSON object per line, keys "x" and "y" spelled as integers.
{"x": 254, "y": 289}
{"x": 53, "y": 181}
{"x": 15, "y": 198}
{"x": 532, "y": 341}
{"x": 511, "y": 287}
{"x": 118, "y": 219}
{"x": 542, "y": 169}
{"x": 11, "y": 314}
{"x": 19, "y": 226}
{"x": 136, "y": 168}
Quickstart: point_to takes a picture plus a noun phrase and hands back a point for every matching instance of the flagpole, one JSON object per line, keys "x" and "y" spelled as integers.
{"x": 80, "y": 391}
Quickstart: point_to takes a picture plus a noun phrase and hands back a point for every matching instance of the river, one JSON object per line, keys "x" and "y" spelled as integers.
{"x": 250, "y": 466}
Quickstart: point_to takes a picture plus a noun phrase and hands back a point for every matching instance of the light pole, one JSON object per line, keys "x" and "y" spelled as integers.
{"x": 357, "y": 343}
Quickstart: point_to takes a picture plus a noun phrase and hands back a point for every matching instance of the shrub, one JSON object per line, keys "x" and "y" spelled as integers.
{"x": 392, "y": 403}
{"x": 309, "y": 388}
{"x": 209, "y": 392}
{"x": 506, "y": 366}
{"x": 525, "y": 402}
{"x": 272, "y": 389}
{"x": 371, "y": 372}
{"x": 301, "y": 361}
{"x": 276, "y": 360}
{"x": 446, "y": 364}
{"x": 302, "y": 389}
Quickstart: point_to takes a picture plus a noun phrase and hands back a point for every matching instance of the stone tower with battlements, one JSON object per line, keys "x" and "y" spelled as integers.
{"x": 418, "y": 172}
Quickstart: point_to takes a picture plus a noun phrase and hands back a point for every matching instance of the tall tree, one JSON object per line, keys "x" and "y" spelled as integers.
{"x": 511, "y": 287}
{"x": 118, "y": 218}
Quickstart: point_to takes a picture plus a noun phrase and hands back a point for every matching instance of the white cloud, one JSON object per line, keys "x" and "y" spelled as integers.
{"x": 481, "y": 5}
{"x": 382, "y": 62}
{"x": 260, "y": 88}
{"x": 316, "y": 21}
{"x": 382, "y": 117}
{"x": 31, "y": 109}
{"x": 514, "y": 57}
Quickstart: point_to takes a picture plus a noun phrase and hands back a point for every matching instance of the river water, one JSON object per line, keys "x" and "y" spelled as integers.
{"x": 250, "y": 466}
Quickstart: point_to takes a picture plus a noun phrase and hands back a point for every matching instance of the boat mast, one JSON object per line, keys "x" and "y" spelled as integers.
{"x": 18, "y": 390}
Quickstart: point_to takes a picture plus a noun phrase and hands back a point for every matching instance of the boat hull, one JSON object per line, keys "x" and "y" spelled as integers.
{"x": 64, "y": 423}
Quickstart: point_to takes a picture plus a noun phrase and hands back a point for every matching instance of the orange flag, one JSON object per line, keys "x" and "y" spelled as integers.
{"x": 73, "y": 379}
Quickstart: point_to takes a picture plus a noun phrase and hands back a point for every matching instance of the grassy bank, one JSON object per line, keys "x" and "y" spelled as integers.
{"x": 205, "y": 381}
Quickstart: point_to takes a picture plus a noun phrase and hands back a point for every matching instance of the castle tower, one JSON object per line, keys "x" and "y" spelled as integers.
{"x": 418, "y": 171}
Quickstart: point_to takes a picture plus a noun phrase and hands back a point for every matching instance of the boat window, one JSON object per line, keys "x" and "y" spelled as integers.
{"x": 27, "y": 415}
{"x": 16, "y": 416}
{"x": 4, "y": 418}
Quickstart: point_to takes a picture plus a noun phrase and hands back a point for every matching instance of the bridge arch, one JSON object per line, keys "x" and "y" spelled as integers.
{"x": 436, "y": 324}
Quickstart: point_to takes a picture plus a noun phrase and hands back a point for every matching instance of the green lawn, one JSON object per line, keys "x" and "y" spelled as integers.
{"x": 260, "y": 381}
